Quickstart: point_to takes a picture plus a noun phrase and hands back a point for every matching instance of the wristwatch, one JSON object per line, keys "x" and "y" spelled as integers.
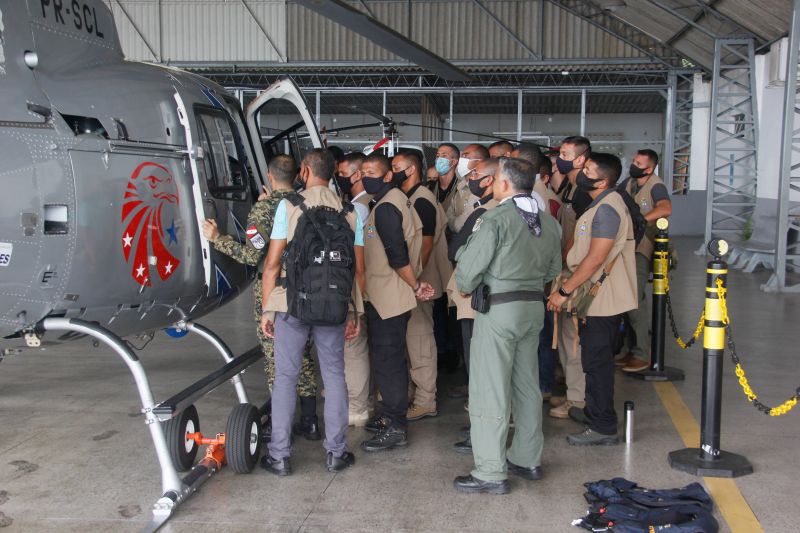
{"x": 564, "y": 293}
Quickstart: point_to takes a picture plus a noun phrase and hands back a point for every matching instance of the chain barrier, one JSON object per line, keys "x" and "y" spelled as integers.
{"x": 782, "y": 409}
{"x": 697, "y": 331}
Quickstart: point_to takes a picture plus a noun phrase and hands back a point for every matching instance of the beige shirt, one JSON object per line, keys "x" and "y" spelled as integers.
{"x": 567, "y": 218}
{"x": 439, "y": 268}
{"x": 644, "y": 199}
{"x": 618, "y": 292}
{"x": 386, "y": 290}
{"x": 461, "y": 206}
{"x": 315, "y": 196}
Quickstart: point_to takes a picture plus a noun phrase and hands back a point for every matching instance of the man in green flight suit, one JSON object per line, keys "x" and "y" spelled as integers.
{"x": 281, "y": 172}
{"x": 514, "y": 250}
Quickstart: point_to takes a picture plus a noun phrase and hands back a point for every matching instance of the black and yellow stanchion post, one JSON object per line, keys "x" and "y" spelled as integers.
{"x": 658, "y": 370}
{"x": 709, "y": 460}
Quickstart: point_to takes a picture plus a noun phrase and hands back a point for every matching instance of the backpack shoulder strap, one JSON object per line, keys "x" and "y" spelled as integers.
{"x": 347, "y": 208}
{"x": 296, "y": 200}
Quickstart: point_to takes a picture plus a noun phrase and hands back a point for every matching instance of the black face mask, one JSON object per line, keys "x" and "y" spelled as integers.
{"x": 564, "y": 166}
{"x": 636, "y": 172}
{"x": 344, "y": 184}
{"x": 585, "y": 183}
{"x": 373, "y": 185}
{"x": 399, "y": 177}
{"x": 475, "y": 187}
{"x": 298, "y": 184}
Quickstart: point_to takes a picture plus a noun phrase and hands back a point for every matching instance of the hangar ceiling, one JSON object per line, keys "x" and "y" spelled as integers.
{"x": 507, "y": 42}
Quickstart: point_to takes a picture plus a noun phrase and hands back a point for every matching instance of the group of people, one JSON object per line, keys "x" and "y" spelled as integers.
{"x": 490, "y": 247}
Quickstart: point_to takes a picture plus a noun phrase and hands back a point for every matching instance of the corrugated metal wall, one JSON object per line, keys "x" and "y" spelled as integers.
{"x": 201, "y": 30}
{"x": 223, "y": 31}
{"x": 456, "y": 30}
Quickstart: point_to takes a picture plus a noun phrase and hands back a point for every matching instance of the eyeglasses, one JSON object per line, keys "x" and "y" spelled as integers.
{"x": 478, "y": 178}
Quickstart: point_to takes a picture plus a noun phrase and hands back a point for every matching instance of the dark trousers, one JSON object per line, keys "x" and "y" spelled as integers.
{"x": 548, "y": 357}
{"x": 598, "y": 336}
{"x": 387, "y": 346}
{"x": 466, "y": 338}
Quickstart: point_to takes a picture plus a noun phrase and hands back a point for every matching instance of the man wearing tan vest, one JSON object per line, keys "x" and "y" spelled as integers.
{"x": 461, "y": 205}
{"x": 283, "y": 322}
{"x": 550, "y": 201}
{"x": 436, "y": 269}
{"x": 480, "y": 183}
{"x": 356, "y": 350}
{"x": 573, "y": 153}
{"x": 652, "y": 197}
{"x": 602, "y": 252}
{"x": 392, "y": 246}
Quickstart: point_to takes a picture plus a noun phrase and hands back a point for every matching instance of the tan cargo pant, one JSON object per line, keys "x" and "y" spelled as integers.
{"x": 422, "y": 357}
{"x": 357, "y": 371}
{"x": 569, "y": 352}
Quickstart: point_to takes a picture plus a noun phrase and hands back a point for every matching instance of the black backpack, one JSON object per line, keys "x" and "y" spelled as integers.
{"x": 320, "y": 265}
{"x": 639, "y": 223}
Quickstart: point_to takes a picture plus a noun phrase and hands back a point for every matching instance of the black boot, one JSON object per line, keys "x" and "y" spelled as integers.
{"x": 308, "y": 427}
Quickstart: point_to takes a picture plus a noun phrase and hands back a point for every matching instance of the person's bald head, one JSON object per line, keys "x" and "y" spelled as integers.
{"x": 500, "y": 149}
{"x": 530, "y": 153}
{"x": 487, "y": 167}
{"x": 410, "y": 162}
{"x": 475, "y": 152}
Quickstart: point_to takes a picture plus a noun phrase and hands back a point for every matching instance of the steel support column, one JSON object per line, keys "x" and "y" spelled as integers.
{"x": 683, "y": 101}
{"x": 669, "y": 132}
{"x": 733, "y": 141}
{"x": 583, "y": 113}
{"x": 787, "y": 254}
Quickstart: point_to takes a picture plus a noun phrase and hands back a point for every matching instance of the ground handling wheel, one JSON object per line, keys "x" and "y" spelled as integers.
{"x": 182, "y": 450}
{"x": 243, "y": 438}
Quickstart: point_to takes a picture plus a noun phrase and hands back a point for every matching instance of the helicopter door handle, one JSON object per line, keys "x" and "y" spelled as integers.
{"x": 211, "y": 208}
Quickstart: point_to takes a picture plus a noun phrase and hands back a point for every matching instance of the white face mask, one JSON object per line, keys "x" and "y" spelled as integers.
{"x": 463, "y": 166}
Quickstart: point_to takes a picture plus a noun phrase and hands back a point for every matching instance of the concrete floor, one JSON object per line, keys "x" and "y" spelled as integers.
{"x": 75, "y": 455}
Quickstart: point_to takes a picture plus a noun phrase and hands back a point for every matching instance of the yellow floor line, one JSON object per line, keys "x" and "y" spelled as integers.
{"x": 734, "y": 508}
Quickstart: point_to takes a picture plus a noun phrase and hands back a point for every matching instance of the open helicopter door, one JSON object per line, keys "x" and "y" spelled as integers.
{"x": 281, "y": 123}
{"x": 195, "y": 154}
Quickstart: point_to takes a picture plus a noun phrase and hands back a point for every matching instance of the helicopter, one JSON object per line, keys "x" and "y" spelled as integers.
{"x": 109, "y": 168}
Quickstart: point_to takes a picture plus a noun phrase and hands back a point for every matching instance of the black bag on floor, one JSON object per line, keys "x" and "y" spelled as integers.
{"x": 620, "y": 506}
{"x": 320, "y": 265}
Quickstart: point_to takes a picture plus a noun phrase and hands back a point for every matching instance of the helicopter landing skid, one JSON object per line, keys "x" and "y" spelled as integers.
{"x": 175, "y": 490}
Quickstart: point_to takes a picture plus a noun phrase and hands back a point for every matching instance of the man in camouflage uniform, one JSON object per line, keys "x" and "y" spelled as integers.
{"x": 281, "y": 172}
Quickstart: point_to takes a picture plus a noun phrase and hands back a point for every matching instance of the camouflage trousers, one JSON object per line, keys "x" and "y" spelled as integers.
{"x": 307, "y": 382}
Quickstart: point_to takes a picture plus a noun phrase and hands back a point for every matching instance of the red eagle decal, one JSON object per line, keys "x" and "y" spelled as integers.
{"x": 150, "y": 188}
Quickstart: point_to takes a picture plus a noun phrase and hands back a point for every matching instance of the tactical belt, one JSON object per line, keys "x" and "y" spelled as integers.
{"x": 516, "y": 296}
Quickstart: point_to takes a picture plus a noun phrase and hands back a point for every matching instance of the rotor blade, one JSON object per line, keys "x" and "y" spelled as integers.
{"x": 356, "y": 127}
{"x": 471, "y": 133}
{"x": 384, "y": 119}
{"x": 385, "y": 37}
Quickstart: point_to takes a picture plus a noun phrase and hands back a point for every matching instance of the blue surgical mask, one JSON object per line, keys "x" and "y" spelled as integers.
{"x": 442, "y": 165}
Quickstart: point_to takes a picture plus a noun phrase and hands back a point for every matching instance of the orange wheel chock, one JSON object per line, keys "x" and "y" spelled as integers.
{"x": 216, "y": 446}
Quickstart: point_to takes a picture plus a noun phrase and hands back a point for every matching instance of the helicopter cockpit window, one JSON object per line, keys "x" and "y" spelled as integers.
{"x": 223, "y": 155}
{"x": 283, "y": 130}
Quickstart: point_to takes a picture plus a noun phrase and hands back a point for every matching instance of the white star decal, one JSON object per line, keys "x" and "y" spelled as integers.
{"x": 140, "y": 271}
{"x": 168, "y": 267}
{"x": 127, "y": 241}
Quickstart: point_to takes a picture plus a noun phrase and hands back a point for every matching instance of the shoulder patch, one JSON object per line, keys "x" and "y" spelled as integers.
{"x": 255, "y": 237}
{"x": 477, "y": 225}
